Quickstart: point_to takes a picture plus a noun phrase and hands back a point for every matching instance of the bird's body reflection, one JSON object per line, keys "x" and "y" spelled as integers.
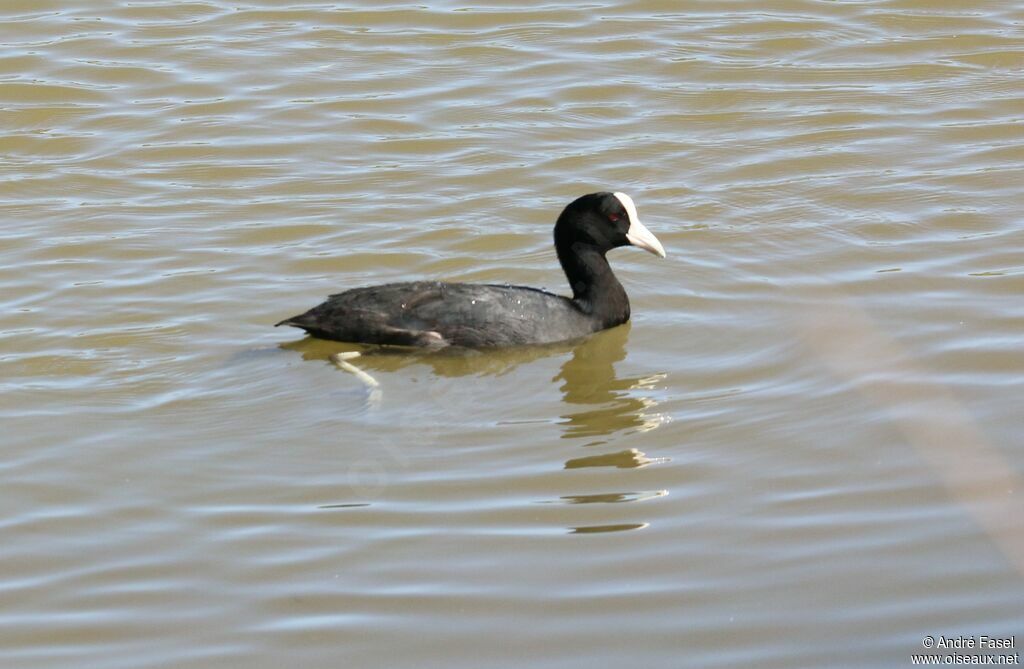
{"x": 599, "y": 403}
{"x": 608, "y": 403}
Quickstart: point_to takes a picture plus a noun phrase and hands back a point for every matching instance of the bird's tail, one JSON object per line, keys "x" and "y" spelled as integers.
{"x": 294, "y": 321}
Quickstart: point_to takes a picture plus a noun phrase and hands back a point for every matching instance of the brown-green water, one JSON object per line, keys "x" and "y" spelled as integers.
{"x": 805, "y": 451}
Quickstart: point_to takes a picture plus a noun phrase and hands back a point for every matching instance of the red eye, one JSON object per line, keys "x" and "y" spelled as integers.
{"x": 613, "y": 217}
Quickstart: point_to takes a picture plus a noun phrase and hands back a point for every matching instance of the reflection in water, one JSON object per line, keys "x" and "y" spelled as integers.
{"x": 446, "y": 362}
{"x": 600, "y": 404}
{"x": 609, "y": 498}
{"x": 596, "y": 529}
{"x": 589, "y": 380}
{"x": 621, "y": 459}
{"x": 608, "y": 404}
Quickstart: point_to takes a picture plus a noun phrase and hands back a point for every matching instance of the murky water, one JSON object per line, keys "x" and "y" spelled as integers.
{"x": 804, "y": 451}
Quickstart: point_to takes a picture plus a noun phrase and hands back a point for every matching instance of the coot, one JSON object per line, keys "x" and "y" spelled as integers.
{"x": 435, "y": 314}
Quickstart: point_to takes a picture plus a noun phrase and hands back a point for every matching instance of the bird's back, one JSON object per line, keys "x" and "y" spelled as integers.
{"x": 431, "y": 313}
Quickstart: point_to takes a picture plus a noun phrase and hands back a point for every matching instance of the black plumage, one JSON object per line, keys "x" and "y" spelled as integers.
{"x": 435, "y": 314}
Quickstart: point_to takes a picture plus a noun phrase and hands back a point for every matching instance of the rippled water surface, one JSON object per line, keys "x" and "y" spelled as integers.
{"x": 805, "y": 450}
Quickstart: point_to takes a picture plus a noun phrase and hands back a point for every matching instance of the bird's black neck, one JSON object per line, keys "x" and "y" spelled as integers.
{"x": 595, "y": 290}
